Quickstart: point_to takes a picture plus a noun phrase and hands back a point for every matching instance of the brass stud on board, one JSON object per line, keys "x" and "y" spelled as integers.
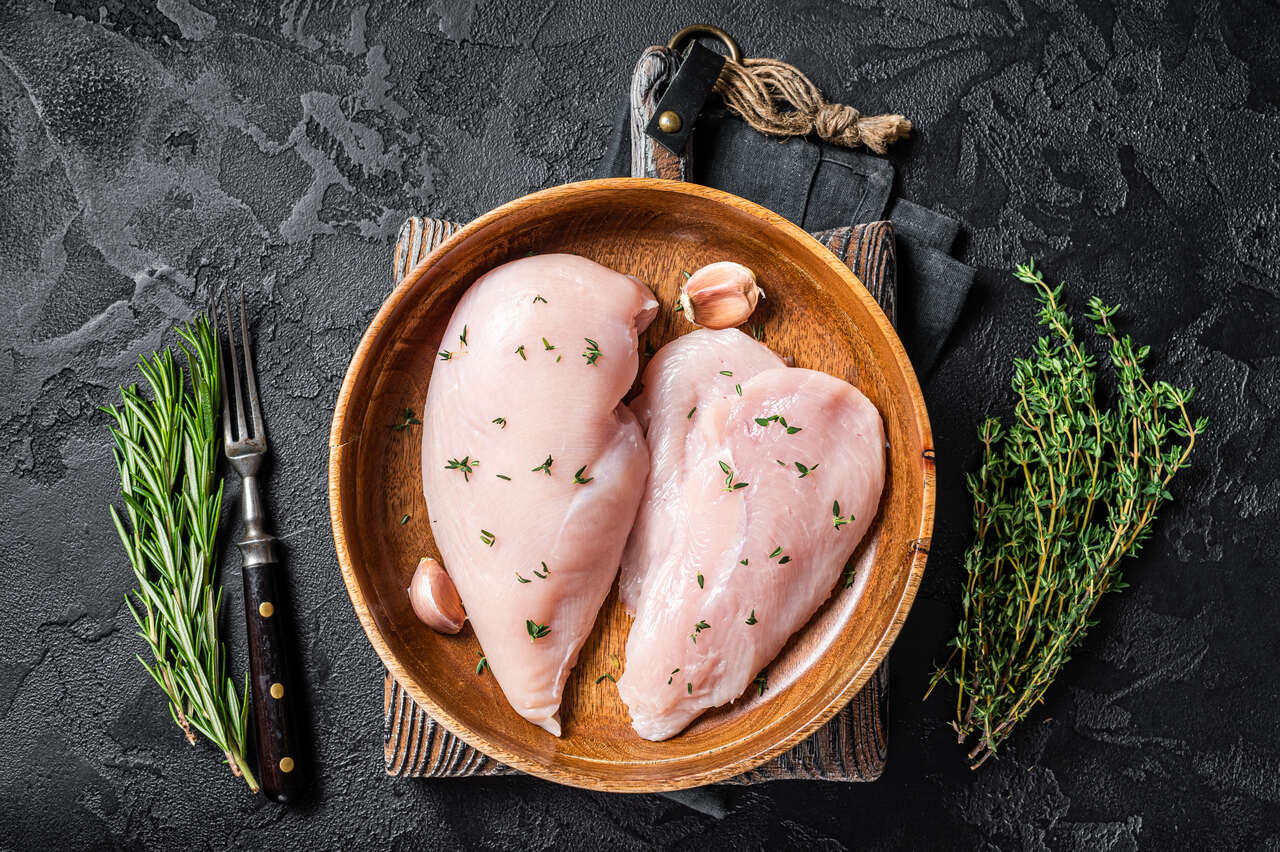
{"x": 286, "y": 764}
{"x": 277, "y": 690}
{"x": 669, "y": 121}
{"x": 266, "y": 609}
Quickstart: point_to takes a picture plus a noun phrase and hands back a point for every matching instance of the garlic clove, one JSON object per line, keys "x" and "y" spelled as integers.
{"x": 720, "y": 295}
{"x": 435, "y": 599}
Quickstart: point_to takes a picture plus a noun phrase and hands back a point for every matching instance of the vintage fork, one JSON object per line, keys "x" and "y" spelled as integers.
{"x": 279, "y": 757}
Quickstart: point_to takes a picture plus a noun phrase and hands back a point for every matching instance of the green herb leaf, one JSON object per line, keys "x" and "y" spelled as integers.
{"x": 751, "y": 619}
{"x": 463, "y": 337}
{"x": 546, "y": 346}
{"x": 577, "y": 476}
{"x": 606, "y": 675}
{"x": 538, "y": 298}
{"x": 726, "y": 372}
{"x": 762, "y": 683}
{"x": 520, "y": 352}
{"x": 482, "y": 665}
{"x": 488, "y": 537}
{"x": 501, "y": 421}
{"x": 593, "y": 351}
{"x": 545, "y": 467}
{"x": 522, "y": 579}
{"x": 404, "y": 520}
{"x": 503, "y": 476}
{"x": 699, "y": 580}
{"x": 466, "y": 464}
{"x": 689, "y": 416}
{"x": 535, "y": 630}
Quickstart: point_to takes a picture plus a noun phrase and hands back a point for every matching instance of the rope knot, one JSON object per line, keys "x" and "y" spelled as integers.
{"x": 835, "y": 120}
{"x": 760, "y": 90}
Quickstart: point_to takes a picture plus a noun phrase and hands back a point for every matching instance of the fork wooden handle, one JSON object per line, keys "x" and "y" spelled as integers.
{"x": 281, "y": 765}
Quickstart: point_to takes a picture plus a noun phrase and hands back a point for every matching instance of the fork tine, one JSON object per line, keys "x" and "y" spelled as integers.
{"x": 227, "y": 437}
{"x": 255, "y": 407}
{"x": 235, "y": 373}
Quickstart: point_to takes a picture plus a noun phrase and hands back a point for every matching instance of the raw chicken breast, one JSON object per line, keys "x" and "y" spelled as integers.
{"x": 531, "y": 466}
{"x": 720, "y": 574}
{"x": 680, "y": 377}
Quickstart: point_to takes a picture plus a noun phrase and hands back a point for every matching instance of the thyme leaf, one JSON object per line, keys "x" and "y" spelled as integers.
{"x": 545, "y": 467}
{"x": 535, "y": 630}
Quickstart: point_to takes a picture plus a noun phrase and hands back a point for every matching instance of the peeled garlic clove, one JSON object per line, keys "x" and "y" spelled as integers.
{"x": 435, "y": 599}
{"x": 720, "y": 295}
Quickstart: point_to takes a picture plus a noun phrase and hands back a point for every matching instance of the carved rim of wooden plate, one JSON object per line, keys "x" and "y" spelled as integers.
{"x": 912, "y": 561}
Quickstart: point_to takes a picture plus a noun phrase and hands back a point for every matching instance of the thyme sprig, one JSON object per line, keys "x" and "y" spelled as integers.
{"x": 466, "y": 464}
{"x": 536, "y": 630}
{"x": 166, "y": 451}
{"x": 545, "y": 467}
{"x": 1065, "y": 491}
{"x": 593, "y": 352}
{"x": 729, "y": 484}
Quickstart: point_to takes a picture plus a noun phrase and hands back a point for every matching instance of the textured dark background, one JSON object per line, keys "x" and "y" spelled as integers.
{"x": 151, "y": 151}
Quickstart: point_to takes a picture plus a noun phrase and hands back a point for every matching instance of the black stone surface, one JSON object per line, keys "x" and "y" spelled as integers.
{"x": 151, "y": 151}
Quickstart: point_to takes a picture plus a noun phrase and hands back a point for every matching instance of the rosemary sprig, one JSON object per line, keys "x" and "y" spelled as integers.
{"x": 446, "y": 355}
{"x": 166, "y": 451}
{"x": 1065, "y": 491}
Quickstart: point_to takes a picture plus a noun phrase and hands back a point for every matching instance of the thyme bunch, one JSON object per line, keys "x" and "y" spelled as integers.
{"x": 1065, "y": 491}
{"x": 166, "y": 451}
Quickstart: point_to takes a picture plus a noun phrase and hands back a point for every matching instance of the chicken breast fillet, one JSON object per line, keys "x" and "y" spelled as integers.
{"x": 531, "y": 466}
{"x": 763, "y": 480}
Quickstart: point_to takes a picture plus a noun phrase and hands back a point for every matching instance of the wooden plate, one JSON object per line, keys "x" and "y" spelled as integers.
{"x": 815, "y": 310}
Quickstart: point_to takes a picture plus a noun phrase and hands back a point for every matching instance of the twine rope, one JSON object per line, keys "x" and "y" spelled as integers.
{"x": 761, "y": 90}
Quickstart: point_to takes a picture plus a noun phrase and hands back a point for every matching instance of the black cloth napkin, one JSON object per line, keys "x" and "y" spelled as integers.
{"x": 820, "y": 186}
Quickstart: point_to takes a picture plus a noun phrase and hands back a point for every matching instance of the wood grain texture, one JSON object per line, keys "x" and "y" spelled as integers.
{"x": 816, "y": 311}
{"x": 648, "y": 158}
{"x": 850, "y": 747}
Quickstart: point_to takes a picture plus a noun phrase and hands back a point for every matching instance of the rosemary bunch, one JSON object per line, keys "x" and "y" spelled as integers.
{"x": 166, "y": 449}
{"x": 1064, "y": 493}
